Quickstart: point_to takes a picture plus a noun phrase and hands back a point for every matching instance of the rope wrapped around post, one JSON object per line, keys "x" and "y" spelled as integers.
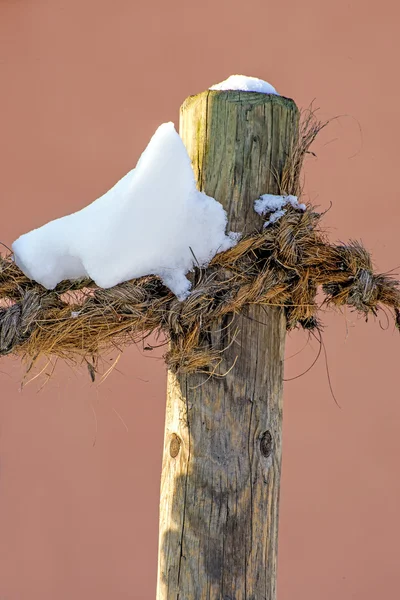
{"x": 281, "y": 265}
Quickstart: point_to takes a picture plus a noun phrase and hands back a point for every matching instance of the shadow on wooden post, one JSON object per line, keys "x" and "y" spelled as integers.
{"x": 222, "y": 451}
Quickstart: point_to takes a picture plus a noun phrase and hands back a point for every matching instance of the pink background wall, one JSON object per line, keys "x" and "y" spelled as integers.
{"x": 84, "y": 84}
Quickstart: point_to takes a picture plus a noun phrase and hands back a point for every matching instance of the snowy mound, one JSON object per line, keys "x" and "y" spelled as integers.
{"x": 245, "y": 84}
{"x": 273, "y": 205}
{"x": 152, "y": 222}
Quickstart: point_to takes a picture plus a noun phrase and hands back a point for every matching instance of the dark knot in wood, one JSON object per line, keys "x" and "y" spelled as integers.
{"x": 175, "y": 445}
{"x": 266, "y": 444}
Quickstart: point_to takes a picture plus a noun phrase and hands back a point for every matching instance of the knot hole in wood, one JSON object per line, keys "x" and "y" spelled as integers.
{"x": 266, "y": 444}
{"x": 174, "y": 445}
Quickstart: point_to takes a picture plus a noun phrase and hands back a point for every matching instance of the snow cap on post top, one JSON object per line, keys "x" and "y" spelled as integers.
{"x": 245, "y": 84}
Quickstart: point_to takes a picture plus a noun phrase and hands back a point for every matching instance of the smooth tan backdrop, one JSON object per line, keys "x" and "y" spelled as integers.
{"x": 84, "y": 84}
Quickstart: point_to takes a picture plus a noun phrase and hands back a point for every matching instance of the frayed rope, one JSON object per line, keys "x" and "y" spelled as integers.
{"x": 281, "y": 265}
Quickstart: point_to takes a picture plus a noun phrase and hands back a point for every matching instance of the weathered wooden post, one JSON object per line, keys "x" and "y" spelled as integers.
{"x": 222, "y": 450}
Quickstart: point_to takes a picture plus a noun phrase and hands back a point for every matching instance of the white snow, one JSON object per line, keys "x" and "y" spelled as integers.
{"x": 274, "y": 217}
{"x": 245, "y": 84}
{"x": 270, "y": 203}
{"x": 152, "y": 222}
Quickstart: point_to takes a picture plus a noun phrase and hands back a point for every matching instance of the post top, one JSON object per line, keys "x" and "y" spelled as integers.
{"x": 240, "y": 97}
{"x": 244, "y": 90}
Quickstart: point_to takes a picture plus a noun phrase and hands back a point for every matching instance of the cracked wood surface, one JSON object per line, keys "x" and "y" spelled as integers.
{"x": 222, "y": 450}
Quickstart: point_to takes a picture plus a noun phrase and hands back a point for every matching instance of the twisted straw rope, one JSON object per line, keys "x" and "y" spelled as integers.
{"x": 281, "y": 265}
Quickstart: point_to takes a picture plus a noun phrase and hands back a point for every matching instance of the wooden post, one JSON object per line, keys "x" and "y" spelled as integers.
{"x": 222, "y": 450}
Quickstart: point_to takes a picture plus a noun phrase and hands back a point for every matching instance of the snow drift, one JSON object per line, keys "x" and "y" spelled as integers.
{"x": 152, "y": 222}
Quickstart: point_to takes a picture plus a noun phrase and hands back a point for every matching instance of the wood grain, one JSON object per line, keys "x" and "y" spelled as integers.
{"x": 222, "y": 452}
